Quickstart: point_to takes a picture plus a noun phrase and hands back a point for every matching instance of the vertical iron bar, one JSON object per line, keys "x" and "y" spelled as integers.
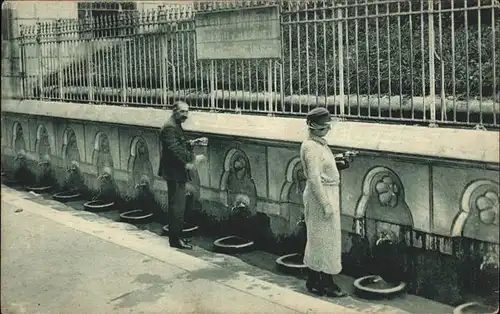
{"x": 177, "y": 58}
{"x": 400, "y": 63}
{"x": 123, "y": 52}
{"x": 340, "y": 41}
{"x": 325, "y": 59}
{"x": 346, "y": 57}
{"x": 59, "y": 59}
{"x": 306, "y": 14}
{"x": 299, "y": 52}
{"x": 467, "y": 60}
{"x": 212, "y": 85}
{"x": 290, "y": 57}
{"x": 257, "y": 87}
{"x": 183, "y": 45}
{"x": 356, "y": 34}
{"x": 493, "y": 40}
{"x": 90, "y": 68}
{"x": 223, "y": 87}
{"x": 377, "y": 30}
{"x": 432, "y": 50}
{"x": 316, "y": 51}
{"x": 269, "y": 88}
{"x": 163, "y": 55}
{"x": 453, "y": 74}
{"x": 480, "y": 62}
{"x": 441, "y": 58}
{"x": 367, "y": 49}
{"x": 422, "y": 59}
{"x": 39, "y": 57}
{"x": 412, "y": 87}
{"x": 389, "y": 78}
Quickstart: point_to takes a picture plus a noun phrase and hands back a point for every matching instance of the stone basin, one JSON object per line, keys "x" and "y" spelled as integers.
{"x": 473, "y": 308}
{"x": 39, "y": 188}
{"x": 291, "y": 263}
{"x": 98, "y": 206}
{"x": 187, "y": 231}
{"x": 66, "y": 196}
{"x": 136, "y": 216}
{"x": 233, "y": 245}
{"x": 374, "y": 287}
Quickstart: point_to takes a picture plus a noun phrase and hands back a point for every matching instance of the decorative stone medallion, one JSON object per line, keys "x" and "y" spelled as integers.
{"x": 488, "y": 206}
{"x": 388, "y": 191}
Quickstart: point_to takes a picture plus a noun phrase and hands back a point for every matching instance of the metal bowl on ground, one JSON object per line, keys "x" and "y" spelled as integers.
{"x": 137, "y": 216}
{"x": 187, "y": 231}
{"x": 291, "y": 264}
{"x": 98, "y": 206}
{"x": 473, "y": 307}
{"x": 233, "y": 245}
{"x": 375, "y": 287}
{"x": 39, "y": 189}
{"x": 66, "y": 196}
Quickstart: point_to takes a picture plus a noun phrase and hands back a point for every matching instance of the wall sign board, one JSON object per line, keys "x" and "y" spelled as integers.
{"x": 245, "y": 33}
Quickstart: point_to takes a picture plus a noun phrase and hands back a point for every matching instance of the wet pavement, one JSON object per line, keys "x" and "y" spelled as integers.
{"x": 70, "y": 258}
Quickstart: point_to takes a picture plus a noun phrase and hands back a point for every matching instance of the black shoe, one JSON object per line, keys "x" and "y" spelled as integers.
{"x": 181, "y": 244}
{"x": 331, "y": 288}
{"x": 313, "y": 283}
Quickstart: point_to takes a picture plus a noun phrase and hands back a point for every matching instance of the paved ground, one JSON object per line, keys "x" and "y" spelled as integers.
{"x": 58, "y": 260}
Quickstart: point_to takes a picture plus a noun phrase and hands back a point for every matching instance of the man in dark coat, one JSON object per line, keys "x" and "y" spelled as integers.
{"x": 176, "y": 158}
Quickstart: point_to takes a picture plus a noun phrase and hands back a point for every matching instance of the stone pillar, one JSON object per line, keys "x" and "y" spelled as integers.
{"x": 11, "y": 54}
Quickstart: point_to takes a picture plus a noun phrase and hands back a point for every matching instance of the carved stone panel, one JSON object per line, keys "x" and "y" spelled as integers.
{"x": 70, "y": 147}
{"x": 479, "y": 213}
{"x": 142, "y": 170}
{"x": 292, "y": 205}
{"x": 382, "y": 200}
{"x": 18, "y": 138}
{"x": 42, "y": 143}
{"x": 237, "y": 181}
{"x": 102, "y": 155}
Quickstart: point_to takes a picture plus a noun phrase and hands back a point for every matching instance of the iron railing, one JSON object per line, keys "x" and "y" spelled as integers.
{"x": 418, "y": 61}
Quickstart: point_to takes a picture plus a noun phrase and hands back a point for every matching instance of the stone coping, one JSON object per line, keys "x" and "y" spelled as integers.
{"x": 442, "y": 143}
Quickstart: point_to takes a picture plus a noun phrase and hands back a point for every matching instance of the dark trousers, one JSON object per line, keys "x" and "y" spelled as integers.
{"x": 176, "y": 208}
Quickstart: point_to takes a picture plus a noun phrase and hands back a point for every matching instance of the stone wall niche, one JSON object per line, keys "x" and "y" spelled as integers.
{"x": 478, "y": 217}
{"x": 103, "y": 161}
{"x": 70, "y": 152}
{"x": 16, "y": 164}
{"x": 43, "y": 152}
{"x": 292, "y": 205}
{"x": 71, "y": 179}
{"x": 382, "y": 206}
{"x": 237, "y": 184}
{"x": 139, "y": 165}
{"x": 475, "y": 230}
{"x": 18, "y": 141}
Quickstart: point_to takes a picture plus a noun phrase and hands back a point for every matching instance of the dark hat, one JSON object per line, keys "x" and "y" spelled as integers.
{"x": 319, "y": 115}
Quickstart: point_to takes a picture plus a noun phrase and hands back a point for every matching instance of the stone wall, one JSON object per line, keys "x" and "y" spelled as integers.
{"x": 435, "y": 190}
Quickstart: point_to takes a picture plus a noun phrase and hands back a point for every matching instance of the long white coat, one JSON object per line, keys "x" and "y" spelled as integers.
{"x": 323, "y": 248}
